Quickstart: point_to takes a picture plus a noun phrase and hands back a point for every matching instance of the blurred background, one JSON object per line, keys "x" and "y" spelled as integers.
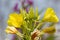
{"x": 7, "y": 6}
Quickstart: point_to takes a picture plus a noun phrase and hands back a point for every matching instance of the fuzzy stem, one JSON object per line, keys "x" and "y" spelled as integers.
{"x": 39, "y": 25}
{"x": 19, "y": 34}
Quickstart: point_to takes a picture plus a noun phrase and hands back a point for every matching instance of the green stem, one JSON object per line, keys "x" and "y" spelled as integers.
{"x": 52, "y": 24}
{"x": 39, "y": 25}
{"x": 19, "y": 34}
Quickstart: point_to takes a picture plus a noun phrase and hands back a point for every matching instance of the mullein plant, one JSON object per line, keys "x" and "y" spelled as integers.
{"x": 30, "y": 24}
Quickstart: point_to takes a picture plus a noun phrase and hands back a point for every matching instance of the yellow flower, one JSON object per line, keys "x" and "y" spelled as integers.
{"x": 15, "y": 20}
{"x": 49, "y": 30}
{"x": 50, "y": 16}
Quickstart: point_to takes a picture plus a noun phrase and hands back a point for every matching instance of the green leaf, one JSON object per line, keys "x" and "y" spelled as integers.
{"x": 31, "y": 12}
{"x": 37, "y": 12}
